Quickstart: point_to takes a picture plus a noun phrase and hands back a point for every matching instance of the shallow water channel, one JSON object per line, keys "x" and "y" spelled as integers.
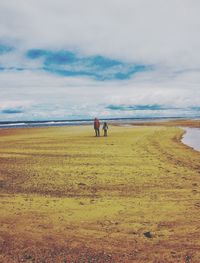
{"x": 192, "y": 138}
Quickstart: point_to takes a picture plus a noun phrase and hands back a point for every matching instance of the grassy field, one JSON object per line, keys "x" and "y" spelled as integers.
{"x": 67, "y": 196}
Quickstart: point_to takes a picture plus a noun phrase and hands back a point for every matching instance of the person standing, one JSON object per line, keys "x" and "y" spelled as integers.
{"x": 97, "y": 127}
{"x": 105, "y": 129}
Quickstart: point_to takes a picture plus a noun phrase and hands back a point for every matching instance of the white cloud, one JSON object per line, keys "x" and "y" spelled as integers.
{"x": 157, "y": 32}
{"x": 44, "y": 95}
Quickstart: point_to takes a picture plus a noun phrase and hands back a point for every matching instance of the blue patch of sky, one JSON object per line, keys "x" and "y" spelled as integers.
{"x": 12, "y": 111}
{"x": 36, "y": 53}
{"x": 195, "y": 108}
{"x": 69, "y": 73}
{"x": 67, "y": 63}
{"x": 12, "y": 68}
{"x": 153, "y": 107}
{"x": 5, "y": 49}
{"x": 103, "y": 62}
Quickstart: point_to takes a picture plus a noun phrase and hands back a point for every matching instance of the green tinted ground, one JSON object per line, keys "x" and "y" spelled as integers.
{"x": 67, "y": 196}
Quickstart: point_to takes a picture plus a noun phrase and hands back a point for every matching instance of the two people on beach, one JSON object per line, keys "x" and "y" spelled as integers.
{"x": 97, "y": 127}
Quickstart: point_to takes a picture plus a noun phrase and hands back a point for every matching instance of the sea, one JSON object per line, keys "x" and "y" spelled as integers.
{"x": 46, "y": 123}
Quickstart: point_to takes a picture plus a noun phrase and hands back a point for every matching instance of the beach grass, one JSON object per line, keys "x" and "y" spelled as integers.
{"x": 67, "y": 196}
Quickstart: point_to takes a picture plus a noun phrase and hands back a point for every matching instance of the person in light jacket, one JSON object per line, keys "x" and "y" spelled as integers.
{"x": 105, "y": 129}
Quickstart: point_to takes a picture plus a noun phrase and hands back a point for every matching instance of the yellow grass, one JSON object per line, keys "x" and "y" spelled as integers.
{"x": 67, "y": 196}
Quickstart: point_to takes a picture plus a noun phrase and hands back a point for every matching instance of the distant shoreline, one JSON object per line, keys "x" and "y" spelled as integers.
{"x": 131, "y": 121}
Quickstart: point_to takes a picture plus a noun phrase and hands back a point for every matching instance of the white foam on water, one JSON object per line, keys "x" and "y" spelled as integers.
{"x": 13, "y": 124}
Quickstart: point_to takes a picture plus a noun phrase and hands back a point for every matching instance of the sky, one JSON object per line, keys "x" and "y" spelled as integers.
{"x": 74, "y": 59}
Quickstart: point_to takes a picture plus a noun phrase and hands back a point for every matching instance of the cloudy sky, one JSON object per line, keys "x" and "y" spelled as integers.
{"x": 70, "y": 59}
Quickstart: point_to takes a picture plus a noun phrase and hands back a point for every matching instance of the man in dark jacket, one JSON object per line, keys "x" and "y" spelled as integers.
{"x": 97, "y": 127}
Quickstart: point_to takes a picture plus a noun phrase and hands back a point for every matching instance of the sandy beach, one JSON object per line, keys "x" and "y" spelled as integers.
{"x": 67, "y": 196}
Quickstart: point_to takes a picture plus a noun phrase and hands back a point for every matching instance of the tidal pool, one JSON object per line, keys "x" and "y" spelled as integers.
{"x": 192, "y": 138}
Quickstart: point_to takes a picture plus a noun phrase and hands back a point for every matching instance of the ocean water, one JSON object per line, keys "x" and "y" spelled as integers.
{"x": 27, "y": 124}
{"x": 21, "y": 124}
{"x": 192, "y": 138}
